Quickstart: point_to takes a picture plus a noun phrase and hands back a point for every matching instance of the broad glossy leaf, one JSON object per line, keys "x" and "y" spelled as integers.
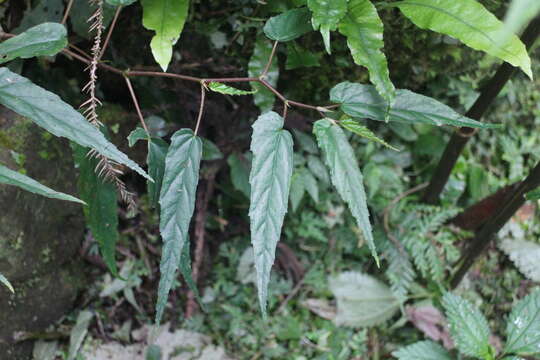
{"x": 166, "y": 18}
{"x": 289, "y": 25}
{"x": 120, "y": 2}
{"x": 240, "y": 168}
{"x": 468, "y": 327}
{"x": 177, "y": 200}
{"x": 345, "y": 174}
{"x": 326, "y": 16}
{"x": 364, "y": 31}
{"x": 363, "y": 101}
{"x": 471, "y": 23}
{"x": 523, "y": 326}
{"x": 11, "y": 177}
{"x": 54, "y": 115}
{"x": 355, "y": 127}
{"x": 270, "y": 180}
{"x": 228, "y": 90}
{"x": 40, "y": 40}
{"x": 422, "y": 350}
{"x": 263, "y": 98}
{"x": 101, "y": 214}
{"x": 525, "y": 255}
{"x": 6, "y": 283}
{"x": 362, "y": 300}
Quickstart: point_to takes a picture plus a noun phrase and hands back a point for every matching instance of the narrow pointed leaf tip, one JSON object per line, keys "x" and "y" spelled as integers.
{"x": 177, "y": 200}
{"x": 57, "y": 117}
{"x": 270, "y": 180}
{"x": 11, "y": 177}
{"x": 363, "y": 101}
{"x": 471, "y": 23}
{"x": 345, "y": 175}
{"x": 46, "y": 39}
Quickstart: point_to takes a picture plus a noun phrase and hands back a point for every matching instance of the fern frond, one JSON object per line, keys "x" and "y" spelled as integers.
{"x": 400, "y": 272}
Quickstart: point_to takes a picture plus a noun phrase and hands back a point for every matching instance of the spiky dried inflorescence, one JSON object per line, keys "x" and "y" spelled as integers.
{"x": 106, "y": 168}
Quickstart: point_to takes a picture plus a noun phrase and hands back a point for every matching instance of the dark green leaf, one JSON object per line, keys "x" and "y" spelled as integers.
{"x": 11, "y": 177}
{"x": 297, "y": 191}
{"x": 153, "y": 352}
{"x": 345, "y": 174}
{"x": 355, "y": 127}
{"x": 298, "y": 57}
{"x": 422, "y": 350}
{"x": 523, "y": 327}
{"x": 263, "y": 97}
{"x": 289, "y": 25}
{"x": 102, "y": 211}
{"x": 166, "y": 18}
{"x": 185, "y": 270}
{"x": 177, "y": 200}
{"x": 6, "y": 283}
{"x": 210, "y": 151}
{"x": 240, "y": 168}
{"x": 228, "y": 90}
{"x": 42, "y": 11}
{"x": 136, "y": 135}
{"x": 533, "y": 195}
{"x": 326, "y": 16}
{"x": 468, "y": 327}
{"x": 363, "y": 101}
{"x": 311, "y": 184}
{"x": 364, "y": 31}
{"x": 41, "y": 40}
{"x": 306, "y": 142}
{"x": 270, "y": 180}
{"x": 51, "y": 113}
{"x": 471, "y": 23}
{"x": 157, "y": 151}
{"x": 81, "y": 11}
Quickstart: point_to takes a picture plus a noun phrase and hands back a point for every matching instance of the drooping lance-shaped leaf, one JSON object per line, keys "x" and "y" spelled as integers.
{"x": 54, "y": 115}
{"x": 523, "y": 327}
{"x": 364, "y": 31}
{"x": 6, "y": 283}
{"x": 468, "y": 327}
{"x": 101, "y": 214}
{"x": 355, "y": 127}
{"x": 363, "y": 101}
{"x": 422, "y": 350}
{"x": 326, "y": 16}
{"x": 289, "y": 25}
{"x": 471, "y": 23}
{"x": 177, "y": 200}
{"x": 345, "y": 174}
{"x": 270, "y": 180}
{"x": 157, "y": 151}
{"x": 11, "y": 177}
{"x": 167, "y": 19}
{"x": 228, "y": 90}
{"x": 41, "y": 40}
{"x": 263, "y": 98}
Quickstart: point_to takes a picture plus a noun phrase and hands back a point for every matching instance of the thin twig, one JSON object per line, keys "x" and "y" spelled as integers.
{"x": 136, "y": 103}
{"x": 80, "y": 51}
{"x": 109, "y": 33}
{"x": 269, "y": 63}
{"x": 201, "y": 108}
{"x": 68, "y": 10}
